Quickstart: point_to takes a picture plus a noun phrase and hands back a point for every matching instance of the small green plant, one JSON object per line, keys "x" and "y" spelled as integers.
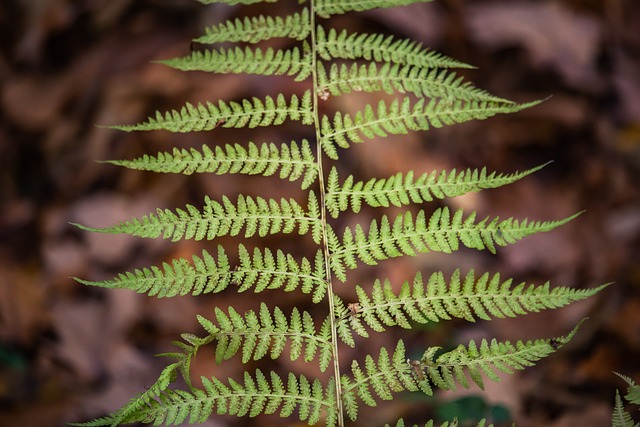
{"x": 421, "y": 91}
{"x": 622, "y": 418}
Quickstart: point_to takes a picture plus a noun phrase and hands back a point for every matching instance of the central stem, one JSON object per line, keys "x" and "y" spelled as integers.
{"x": 323, "y": 213}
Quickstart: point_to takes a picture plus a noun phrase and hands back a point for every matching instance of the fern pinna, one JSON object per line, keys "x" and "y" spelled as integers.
{"x": 421, "y": 91}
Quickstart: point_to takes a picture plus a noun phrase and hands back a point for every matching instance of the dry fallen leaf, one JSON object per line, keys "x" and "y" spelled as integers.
{"x": 552, "y": 35}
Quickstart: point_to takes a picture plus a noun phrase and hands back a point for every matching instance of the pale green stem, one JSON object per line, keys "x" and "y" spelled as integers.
{"x": 323, "y": 213}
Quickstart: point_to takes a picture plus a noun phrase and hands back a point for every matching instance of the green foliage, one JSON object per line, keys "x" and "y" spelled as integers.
{"x": 401, "y": 189}
{"x": 256, "y": 29}
{"x": 620, "y": 417}
{"x": 395, "y": 78}
{"x": 382, "y": 48}
{"x": 255, "y": 216}
{"x": 246, "y": 113}
{"x": 402, "y": 115}
{"x": 294, "y": 161}
{"x": 468, "y": 298}
{"x": 267, "y": 333}
{"x": 421, "y": 92}
{"x": 441, "y": 232}
{"x": 248, "y": 60}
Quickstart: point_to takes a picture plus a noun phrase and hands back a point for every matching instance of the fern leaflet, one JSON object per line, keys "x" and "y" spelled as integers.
{"x": 382, "y": 376}
{"x": 246, "y": 113}
{"x": 267, "y": 333}
{"x": 386, "y": 375}
{"x": 400, "y": 190}
{"x": 471, "y": 297}
{"x": 441, "y": 233}
{"x": 206, "y": 274}
{"x": 454, "y": 423}
{"x": 380, "y": 48}
{"x": 447, "y": 369}
{"x": 394, "y": 78}
{"x": 257, "y": 216}
{"x": 258, "y": 28}
{"x": 620, "y": 417}
{"x": 292, "y": 160}
{"x": 327, "y": 8}
{"x": 235, "y": 2}
{"x": 257, "y": 394}
{"x": 399, "y": 117}
{"x": 249, "y": 60}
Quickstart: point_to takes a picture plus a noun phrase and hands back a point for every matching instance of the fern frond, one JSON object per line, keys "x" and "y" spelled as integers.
{"x": 380, "y": 48}
{"x": 347, "y": 321}
{"x": 257, "y": 216}
{"x": 403, "y": 189}
{"x": 401, "y": 116}
{"x": 381, "y": 377}
{"x": 256, "y": 394}
{"x": 257, "y": 335}
{"x": 633, "y": 391}
{"x": 264, "y": 271}
{"x": 472, "y": 361}
{"x": 250, "y": 60}
{"x": 258, "y": 28}
{"x": 429, "y": 95}
{"x": 430, "y": 423}
{"x": 441, "y": 233}
{"x": 202, "y": 275}
{"x": 293, "y": 161}
{"x": 327, "y": 8}
{"x": 620, "y": 417}
{"x": 139, "y": 402}
{"x": 246, "y": 113}
{"x": 627, "y": 379}
{"x": 205, "y": 274}
{"x": 395, "y": 78}
{"x": 235, "y": 2}
{"x": 189, "y": 347}
{"x": 468, "y": 298}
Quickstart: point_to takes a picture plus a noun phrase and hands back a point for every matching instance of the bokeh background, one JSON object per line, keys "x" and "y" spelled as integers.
{"x": 69, "y": 353}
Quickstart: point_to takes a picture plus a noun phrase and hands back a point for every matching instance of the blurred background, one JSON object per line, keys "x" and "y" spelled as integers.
{"x": 70, "y": 353}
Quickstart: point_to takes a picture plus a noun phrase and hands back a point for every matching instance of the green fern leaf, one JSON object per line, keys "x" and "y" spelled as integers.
{"x": 250, "y": 60}
{"x": 254, "y": 395}
{"x": 620, "y": 417}
{"x": 257, "y": 216}
{"x": 402, "y": 116}
{"x": 381, "y": 377}
{"x": 204, "y": 274}
{"x": 454, "y": 423}
{"x": 327, "y": 8}
{"x": 633, "y": 391}
{"x": 189, "y": 348}
{"x": 475, "y": 361}
{"x": 395, "y": 78}
{"x": 380, "y": 48}
{"x": 266, "y": 333}
{"x": 246, "y": 113}
{"x": 294, "y": 161}
{"x": 138, "y": 403}
{"x": 235, "y": 2}
{"x": 440, "y": 233}
{"x": 263, "y": 270}
{"x": 427, "y": 94}
{"x": 467, "y": 298}
{"x": 255, "y": 29}
{"x": 403, "y": 189}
